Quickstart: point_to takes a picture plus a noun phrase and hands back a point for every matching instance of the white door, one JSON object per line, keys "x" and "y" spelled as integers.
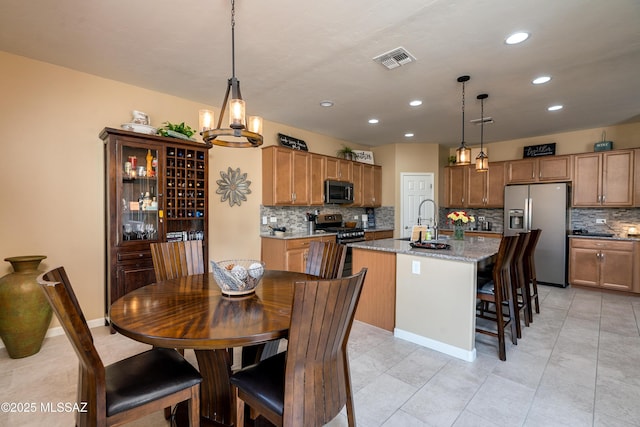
{"x": 415, "y": 188}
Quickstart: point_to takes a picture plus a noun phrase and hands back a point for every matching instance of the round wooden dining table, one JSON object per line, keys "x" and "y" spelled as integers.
{"x": 191, "y": 313}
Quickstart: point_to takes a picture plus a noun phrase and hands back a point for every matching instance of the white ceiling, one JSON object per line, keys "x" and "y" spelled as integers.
{"x": 291, "y": 54}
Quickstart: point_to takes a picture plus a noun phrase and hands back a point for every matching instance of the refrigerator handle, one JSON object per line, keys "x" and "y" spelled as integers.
{"x": 529, "y": 209}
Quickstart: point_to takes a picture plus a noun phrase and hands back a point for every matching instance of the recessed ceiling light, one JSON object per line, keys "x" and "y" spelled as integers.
{"x": 374, "y": 121}
{"x": 408, "y": 135}
{"x": 555, "y": 108}
{"x": 326, "y": 103}
{"x": 516, "y": 38}
{"x": 540, "y": 80}
{"x": 415, "y": 103}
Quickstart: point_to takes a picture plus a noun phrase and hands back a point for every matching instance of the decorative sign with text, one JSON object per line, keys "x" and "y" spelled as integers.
{"x": 291, "y": 142}
{"x": 363, "y": 156}
{"x": 540, "y": 150}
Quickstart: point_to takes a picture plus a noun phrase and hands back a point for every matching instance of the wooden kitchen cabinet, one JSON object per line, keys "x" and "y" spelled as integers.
{"x": 539, "y": 169}
{"x": 317, "y": 169}
{"x": 377, "y": 235}
{"x": 167, "y": 201}
{"x": 339, "y": 169}
{"x": 358, "y": 184}
{"x": 371, "y": 186}
{"x": 603, "y": 179}
{"x": 454, "y": 184}
{"x": 485, "y": 189}
{"x": 288, "y": 254}
{"x": 286, "y": 177}
{"x": 467, "y": 188}
{"x": 603, "y": 263}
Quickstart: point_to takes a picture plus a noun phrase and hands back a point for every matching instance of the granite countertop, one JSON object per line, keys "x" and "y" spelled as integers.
{"x": 305, "y": 234}
{"x": 471, "y": 249}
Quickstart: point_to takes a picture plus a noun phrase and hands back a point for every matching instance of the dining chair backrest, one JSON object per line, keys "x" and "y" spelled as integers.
{"x": 317, "y": 378}
{"x": 326, "y": 259}
{"x": 177, "y": 259}
{"x": 101, "y": 388}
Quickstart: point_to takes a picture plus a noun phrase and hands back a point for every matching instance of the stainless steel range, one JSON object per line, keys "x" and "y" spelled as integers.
{"x": 332, "y": 223}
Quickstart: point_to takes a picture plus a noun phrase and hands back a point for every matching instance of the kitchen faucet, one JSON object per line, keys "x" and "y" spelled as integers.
{"x": 435, "y": 216}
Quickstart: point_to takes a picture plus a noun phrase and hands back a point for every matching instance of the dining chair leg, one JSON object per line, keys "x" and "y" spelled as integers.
{"x": 239, "y": 409}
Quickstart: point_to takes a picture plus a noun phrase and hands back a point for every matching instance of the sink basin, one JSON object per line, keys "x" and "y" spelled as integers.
{"x": 599, "y": 234}
{"x": 406, "y": 239}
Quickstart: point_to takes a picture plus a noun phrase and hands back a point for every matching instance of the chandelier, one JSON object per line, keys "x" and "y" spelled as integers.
{"x": 238, "y": 134}
{"x": 463, "y": 153}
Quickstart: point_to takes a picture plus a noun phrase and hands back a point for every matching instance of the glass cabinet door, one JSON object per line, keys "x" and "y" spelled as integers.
{"x": 139, "y": 215}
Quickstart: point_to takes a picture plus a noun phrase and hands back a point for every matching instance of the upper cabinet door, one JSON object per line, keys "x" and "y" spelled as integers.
{"x": 494, "y": 197}
{"x": 587, "y": 173}
{"x": 522, "y": 171}
{"x": 339, "y": 169}
{"x": 617, "y": 178}
{"x": 555, "y": 168}
{"x": 454, "y": 186}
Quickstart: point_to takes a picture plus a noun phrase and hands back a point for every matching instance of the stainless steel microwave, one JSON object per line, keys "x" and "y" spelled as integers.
{"x": 338, "y": 192}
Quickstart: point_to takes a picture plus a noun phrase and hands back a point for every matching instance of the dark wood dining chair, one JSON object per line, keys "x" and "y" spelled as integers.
{"x": 520, "y": 289}
{"x": 495, "y": 301}
{"x": 310, "y": 383}
{"x": 530, "y": 272}
{"x": 130, "y": 388}
{"x": 326, "y": 259}
{"x": 177, "y": 259}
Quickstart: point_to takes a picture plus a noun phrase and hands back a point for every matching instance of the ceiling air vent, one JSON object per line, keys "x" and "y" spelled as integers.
{"x": 487, "y": 121}
{"x": 395, "y": 58}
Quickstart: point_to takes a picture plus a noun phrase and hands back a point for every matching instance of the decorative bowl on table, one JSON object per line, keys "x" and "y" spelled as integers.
{"x": 237, "y": 277}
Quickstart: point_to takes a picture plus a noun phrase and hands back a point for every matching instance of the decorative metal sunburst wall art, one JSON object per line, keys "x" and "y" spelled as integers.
{"x": 233, "y": 186}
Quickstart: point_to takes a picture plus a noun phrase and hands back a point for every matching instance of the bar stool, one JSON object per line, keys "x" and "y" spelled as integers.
{"x": 520, "y": 289}
{"x": 530, "y": 271}
{"x": 498, "y": 293}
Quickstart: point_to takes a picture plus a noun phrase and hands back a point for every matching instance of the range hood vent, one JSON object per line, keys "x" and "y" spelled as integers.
{"x": 395, "y": 58}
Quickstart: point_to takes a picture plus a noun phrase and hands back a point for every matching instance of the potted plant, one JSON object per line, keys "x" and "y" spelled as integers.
{"x": 452, "y": 160}
{"x": 346, "y": 153}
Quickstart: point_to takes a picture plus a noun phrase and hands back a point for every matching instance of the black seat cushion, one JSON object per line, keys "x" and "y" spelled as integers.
{"x": 487, "y": 287}
{"x": 146, "y": 377}
{"x": 265, "y": 381}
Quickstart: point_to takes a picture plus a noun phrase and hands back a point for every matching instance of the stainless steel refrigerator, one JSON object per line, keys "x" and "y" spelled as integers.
{"x": 543, "y": 206}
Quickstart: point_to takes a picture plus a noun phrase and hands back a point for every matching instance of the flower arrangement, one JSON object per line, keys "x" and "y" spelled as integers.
{"x": 460, "y": 217}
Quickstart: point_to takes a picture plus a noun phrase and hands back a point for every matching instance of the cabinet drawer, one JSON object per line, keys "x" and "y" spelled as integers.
{"x": 133, "y": 256}
{"x": 299, "y": 243}
{"x": 602, "y": 244}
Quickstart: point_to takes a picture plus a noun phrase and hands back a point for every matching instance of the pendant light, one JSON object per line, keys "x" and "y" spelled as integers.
{"x": 238, "y": 135}
{"x": 463, "y": 153}
{"x": 482, "y": 161}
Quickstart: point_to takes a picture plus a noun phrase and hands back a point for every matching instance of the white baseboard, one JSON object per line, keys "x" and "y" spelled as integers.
{"x": 460, "y": 353}
{"x": 55, "y": 331}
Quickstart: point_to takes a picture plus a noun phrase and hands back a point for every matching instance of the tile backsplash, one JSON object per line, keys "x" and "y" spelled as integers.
{"x": 294, "y": 218}
{"x": 618, "y": 220}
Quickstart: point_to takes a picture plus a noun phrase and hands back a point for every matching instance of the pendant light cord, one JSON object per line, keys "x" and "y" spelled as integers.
{"x": 463, "y": 112}
{"x": 481, "y": 124}
{"x": 233, "y": 39}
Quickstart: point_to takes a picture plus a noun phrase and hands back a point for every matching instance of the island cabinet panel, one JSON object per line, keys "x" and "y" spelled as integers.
{"x": 603, "y": 264}
{"x": 377, "y": 304}
{"x": 603, "y": 179}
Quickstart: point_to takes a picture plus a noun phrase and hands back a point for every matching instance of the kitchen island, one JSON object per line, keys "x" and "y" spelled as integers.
{"x": 425, "y": 296}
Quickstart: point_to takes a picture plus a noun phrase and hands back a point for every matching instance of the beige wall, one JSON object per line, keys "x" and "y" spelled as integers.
{"x": 51, "y": 199}
{"x": 623, "y": 136}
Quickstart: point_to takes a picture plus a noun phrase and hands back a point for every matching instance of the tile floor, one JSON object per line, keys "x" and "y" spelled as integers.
{"x": 577, "y": 365}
